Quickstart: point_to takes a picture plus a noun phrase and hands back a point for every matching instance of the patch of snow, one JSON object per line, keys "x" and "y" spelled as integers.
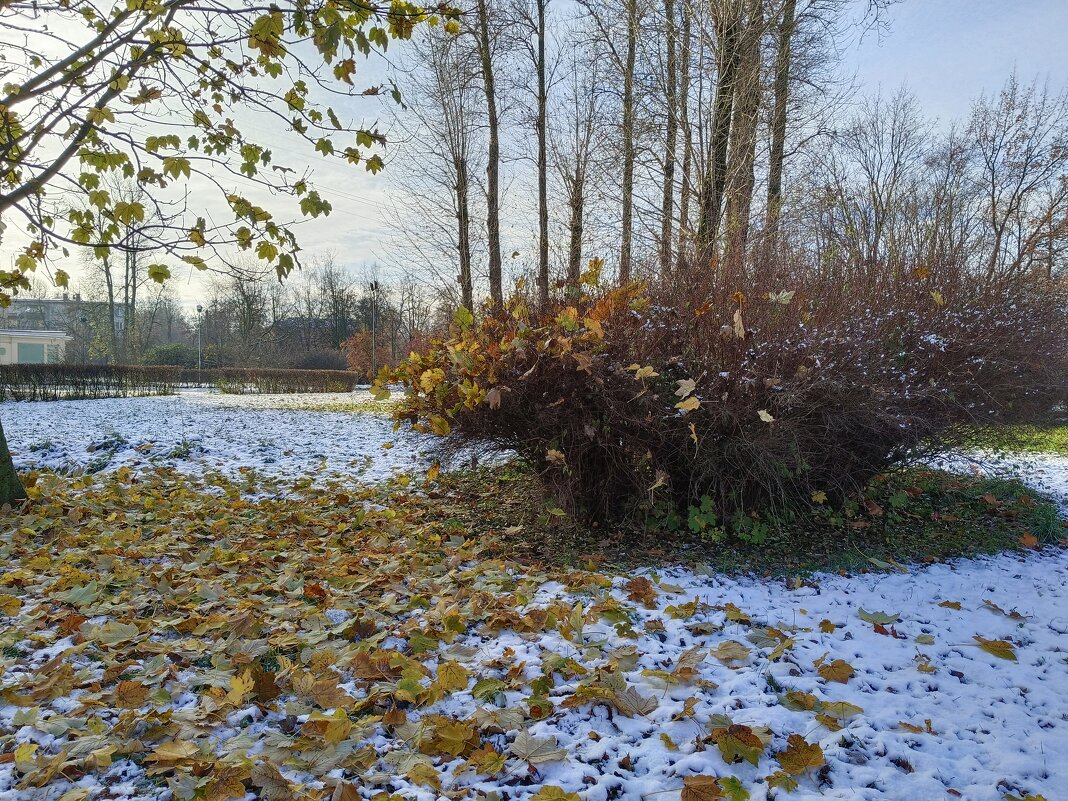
{"x": 198, "y": 431}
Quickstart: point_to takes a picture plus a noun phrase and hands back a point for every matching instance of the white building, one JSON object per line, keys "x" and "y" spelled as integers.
{"x": 32, "y": 347}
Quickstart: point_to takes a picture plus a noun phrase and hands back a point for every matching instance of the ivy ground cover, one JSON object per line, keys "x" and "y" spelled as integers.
{"x": 172, "y": 635}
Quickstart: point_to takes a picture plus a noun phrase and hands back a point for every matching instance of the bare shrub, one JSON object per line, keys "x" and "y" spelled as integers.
{"x": 757, "y": 390}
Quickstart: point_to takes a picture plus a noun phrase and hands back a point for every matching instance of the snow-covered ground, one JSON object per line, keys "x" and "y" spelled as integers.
{"x": 292, "y": 435}
{"x": 953, "y": 680}
{"x": 280, "y": 435}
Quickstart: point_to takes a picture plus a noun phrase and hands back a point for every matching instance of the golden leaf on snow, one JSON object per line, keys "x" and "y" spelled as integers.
{"x": 631, "y": 703}
{"x": 452, "y": 676}
{"x": 226, "y": 783}
{"x": 701, "y": 788}
{"x": 271, "y": 783}
{"x": 731, "y": 651}
{"x": 331, "y": 729}
{"x": 737, "y": 742}
{"x": 840, "y": 710}
{"x": 173, "y": 751}
{"x": 800, "y": 756}
{"x": 1002, "y": 649}
{"x": 641, "y": 590}
{"x": 536, "y": 750}
{"x": 486, "y": 760}
{"x": 839, "y": 670}
{"x": 130, "y": 694}
{"x": 551, "y": 792}
{"x": 345, "y": 791}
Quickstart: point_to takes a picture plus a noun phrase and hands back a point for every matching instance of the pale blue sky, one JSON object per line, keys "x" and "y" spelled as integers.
{"x": 949, "y": 51}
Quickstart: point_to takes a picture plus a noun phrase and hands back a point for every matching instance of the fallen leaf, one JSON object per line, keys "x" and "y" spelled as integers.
{"x": 536, "y": 750}
{"x": 1002, "y": 649}
{"x": 701, "y": 788}
{"x": 839, "y": 670}
{"x": 800, "y": 756}
{"x": 731, "y": 651}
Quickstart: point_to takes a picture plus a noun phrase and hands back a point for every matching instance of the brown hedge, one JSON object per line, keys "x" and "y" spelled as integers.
{"x": 804, "y": 384}
{"x": 49, "y": 382}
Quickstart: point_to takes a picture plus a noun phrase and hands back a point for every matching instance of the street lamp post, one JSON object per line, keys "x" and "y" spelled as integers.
{"x": 200, "y": 340}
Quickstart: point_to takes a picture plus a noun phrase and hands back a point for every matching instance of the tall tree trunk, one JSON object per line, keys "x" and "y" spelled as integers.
{"x": 112, "y": 330}
{"x": 684, "y": 126}
{"x": 781, "y": 91}
{"x": 667, "y": 203}
{"x": 628, "y": 141}
{"x": 574, "y": 250}
{"x": 463, "y": 217}
{"x": 11, "y": 491}
{"x": 493, "y": 196}
{"x": 743, "y": 135}
{"x": 129, "y": 313}
{"x": 543, "y": 161}
{"x": 713, "y": 185}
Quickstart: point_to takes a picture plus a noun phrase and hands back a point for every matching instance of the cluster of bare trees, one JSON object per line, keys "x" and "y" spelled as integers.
{"x": 246, "y": 317}
{"x": 638, "y": 130}
{"x": 254, "y": 320}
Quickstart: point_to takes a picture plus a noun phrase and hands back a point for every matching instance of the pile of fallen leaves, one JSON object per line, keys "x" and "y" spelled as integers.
{"x": 208, "y": 638}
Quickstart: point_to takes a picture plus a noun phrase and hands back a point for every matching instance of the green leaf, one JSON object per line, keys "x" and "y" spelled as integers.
{"x": 159, "y": 272}
{"x": 880, "y": 618}
{"x": 463, "y": 318}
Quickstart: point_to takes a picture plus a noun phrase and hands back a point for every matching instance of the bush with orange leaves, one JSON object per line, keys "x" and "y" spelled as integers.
{"x": 752, "y": 393}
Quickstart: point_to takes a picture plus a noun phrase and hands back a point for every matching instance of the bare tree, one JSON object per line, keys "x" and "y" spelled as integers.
{"x": 578, "y": 139}
{"x": 667, "y": 203}
{"x": 1022, "y": 140}
{"x": 442, "y": 123}
{"x": 493, "y": 192}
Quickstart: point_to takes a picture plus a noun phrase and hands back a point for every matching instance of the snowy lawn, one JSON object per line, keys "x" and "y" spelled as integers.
{"x": 171, "y": 635}
{"x": 282, "y": 435}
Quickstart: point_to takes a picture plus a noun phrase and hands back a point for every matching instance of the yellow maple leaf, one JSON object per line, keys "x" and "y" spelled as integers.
{"x": 839, "y": 670}
{"x": 800, "y": 756}
{"x": 689, "y": 404}
{"x": 701, "y": 788}
{"x": 1002, "y": 649}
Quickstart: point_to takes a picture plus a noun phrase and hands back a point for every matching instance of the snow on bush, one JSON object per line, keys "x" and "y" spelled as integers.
{"x": 741, "y": 394}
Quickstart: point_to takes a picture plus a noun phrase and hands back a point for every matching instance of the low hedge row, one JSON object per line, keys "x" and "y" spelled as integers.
{"x": 49, "y": 382}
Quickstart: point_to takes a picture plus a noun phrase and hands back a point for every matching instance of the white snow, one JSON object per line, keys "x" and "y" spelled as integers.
{"x": 196, "y": 431}
{"x": 997, "y": 727}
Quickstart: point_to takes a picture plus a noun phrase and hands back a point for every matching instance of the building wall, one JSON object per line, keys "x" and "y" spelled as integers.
{"x": 36, "y": 347}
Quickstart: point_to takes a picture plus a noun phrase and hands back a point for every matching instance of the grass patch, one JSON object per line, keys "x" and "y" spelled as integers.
{"x": 914, "y": 515}
{"x": 1027, "y": 439}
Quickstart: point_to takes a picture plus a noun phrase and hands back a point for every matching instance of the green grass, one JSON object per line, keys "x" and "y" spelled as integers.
{"x": 1027, "y": 439}
{"x": 914, "y": 516}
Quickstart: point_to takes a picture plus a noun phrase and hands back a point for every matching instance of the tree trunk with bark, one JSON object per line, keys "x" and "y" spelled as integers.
{"x": 781, "y": 92}
{"x": 493, "y": 195}
{"x": 684, "y": 127}
{"x": 575, "y": 226}
{"x": 543, "y": 160}
{"x": 667, "y": 203}
{"x": 713, "y": 185}
{"x": 740, "y": 178}
{"x": 463, "y": 218}
{"x": 628, "y": 141}
{"x": 11, "y": 490}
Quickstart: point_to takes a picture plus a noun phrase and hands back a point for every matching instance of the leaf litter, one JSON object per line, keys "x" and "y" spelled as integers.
{"x": 174, "y": 635}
